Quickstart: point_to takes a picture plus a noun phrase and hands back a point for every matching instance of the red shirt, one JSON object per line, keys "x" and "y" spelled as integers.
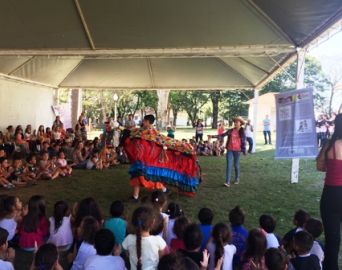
{"x": 333, "y": 176}
{"x": 27, "y": 239}
{"x": 234, "y": 143}
{"x": 177, "y": 244}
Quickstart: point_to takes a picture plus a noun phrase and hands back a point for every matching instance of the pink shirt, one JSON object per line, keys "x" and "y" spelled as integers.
{"x": 333, "y": 176}
{"x": 234, "y": 143}
{"x": 27, "y": 239}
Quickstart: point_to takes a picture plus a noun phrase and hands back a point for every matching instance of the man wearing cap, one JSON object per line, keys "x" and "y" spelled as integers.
{"x": 236, "y": 143}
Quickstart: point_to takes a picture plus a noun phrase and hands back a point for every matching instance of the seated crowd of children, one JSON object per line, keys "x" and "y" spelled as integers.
{"x": 158, "y": 235}
{"x": 27, "y": 156}
{"x": 208, "y": 147}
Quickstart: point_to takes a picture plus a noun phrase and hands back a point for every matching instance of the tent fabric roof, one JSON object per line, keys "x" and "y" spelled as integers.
{"x": 156, "y": 44}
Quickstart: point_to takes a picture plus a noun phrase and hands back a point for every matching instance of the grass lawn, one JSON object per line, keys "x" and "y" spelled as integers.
{"x": 264, "y": 188}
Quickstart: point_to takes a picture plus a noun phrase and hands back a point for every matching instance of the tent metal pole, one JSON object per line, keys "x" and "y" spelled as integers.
{"x": 299, "y": 84}
{"x": 255, "y": 116}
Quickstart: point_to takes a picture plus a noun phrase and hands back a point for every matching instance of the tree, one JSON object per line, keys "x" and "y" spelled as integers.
{"x": 215, "y": 97}
{"x": 313, "y": 77}
{"x": 176, "y": 104}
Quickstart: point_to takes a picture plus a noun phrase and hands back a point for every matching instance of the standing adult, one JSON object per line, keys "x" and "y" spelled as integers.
{"x": 329, "y": 160}
{"x": 236, "y": 143}
{"x": 82, "y": 122}
{"x": 267, "y": 129}
{"x": 130, "y": 123}
{"x": 199, "y": 130}
{"x": 249, "y": 135}
{"x": 57, "y": 123}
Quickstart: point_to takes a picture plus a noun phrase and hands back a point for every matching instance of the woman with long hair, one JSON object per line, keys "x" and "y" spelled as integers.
{"x": 329, "y": 160}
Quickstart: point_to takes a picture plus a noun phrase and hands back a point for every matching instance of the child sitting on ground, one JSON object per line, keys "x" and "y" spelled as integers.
{"x": 275, "y": 259}
{"x": 219, "y": 247}
{"x": 174, "y": 211}
{"x": 159, "y": 200}
{"x": 299, "y": 219}
{"x": 62, "y": 164}
{"x": 116, "y": 224}
{"x": 94, "y": 162}
{"x": 20, "y": 176}
{"x": 315, "y": 228}
{"x": 31, "y": 166}
{"x": 144, "y": 250}
{"x": 10, "y": 215}
{"x": 46, "y": 258}
{"x": 177, "y": 243}
{"x": 105, "y": 246}
{"x": 268, "y": 224}
{"x": 6, "y": 254}
{"x": 60, "y": 227}
{"x": 256, "y": 248}
{"x": 302, "y": 243}
{"x": 4, "y": 175}
{"x": 46, "y": 169}
{"x": 205, "y": 217}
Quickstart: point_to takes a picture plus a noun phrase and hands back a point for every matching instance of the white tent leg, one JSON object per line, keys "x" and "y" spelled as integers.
{"x": 76, "y": 105}
{"x": 163, "y": 100}
{"x": 299, "y": 85}
{"x": 255, "y": 116}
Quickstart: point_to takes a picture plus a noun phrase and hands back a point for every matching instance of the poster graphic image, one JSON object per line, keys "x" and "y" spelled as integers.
{"x": 296, "y": 135}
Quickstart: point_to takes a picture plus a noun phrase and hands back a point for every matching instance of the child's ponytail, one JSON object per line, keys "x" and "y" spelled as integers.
{"x": 142, "y": 220}
{"x": 221, "y": 236}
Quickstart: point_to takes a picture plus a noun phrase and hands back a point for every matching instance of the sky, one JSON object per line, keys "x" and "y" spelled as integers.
{"x": 329, "y": 53}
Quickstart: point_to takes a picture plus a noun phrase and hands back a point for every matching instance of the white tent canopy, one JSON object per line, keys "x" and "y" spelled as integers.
{"x": 156, "y": 44}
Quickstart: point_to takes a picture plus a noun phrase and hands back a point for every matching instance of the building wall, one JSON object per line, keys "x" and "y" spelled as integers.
{"x": 23, "y": 103}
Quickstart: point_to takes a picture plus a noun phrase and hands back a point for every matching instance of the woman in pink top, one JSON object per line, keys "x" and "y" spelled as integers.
{"x": 34, "y": 229}
{"x": 329, "y": 160}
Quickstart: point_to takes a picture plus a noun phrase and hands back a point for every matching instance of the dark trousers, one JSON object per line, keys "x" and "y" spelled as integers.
{"x": 199, "y": 137}
{"x": 267, "y": 133}
{"x": 250, "y": 144}
{"x": 331, "y": 213}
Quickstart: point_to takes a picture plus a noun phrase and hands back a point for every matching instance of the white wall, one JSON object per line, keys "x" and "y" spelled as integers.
{"x": 23, "y": 103}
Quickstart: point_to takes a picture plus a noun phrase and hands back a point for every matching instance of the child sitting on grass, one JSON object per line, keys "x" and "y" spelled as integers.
{"x": 268, "y": 224}
{"x": 46, "y": 258}
{"x": 315, "y": 228}
{"x": 302, "y": 243}
{"x": 19, "y": 175}
{"x": 6, "y": 254}
{"x": 116, "y": 224}
{"x": 177, "y": 243}
{"x": 31, "y": 166}
{"x": 4, "y": 174}
{"x": 256, "y": 248}
{"x": 275, "y": 259}
{"x": 47, "y": 170}
{"x": 240, "y": 233}
{"x": 205, "y": 216}
{"x": 219, "y": 247}
{"x": 62, "y": 164}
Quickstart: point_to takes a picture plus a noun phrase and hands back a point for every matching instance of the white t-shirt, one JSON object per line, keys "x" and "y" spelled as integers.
{"x": 318, "y": 251}
{"x": 267, "y": 124}
{"x": 150, "y": 247}
{"x": 229, "y": 251}
{"x": 272, "y": 241}
{"x": 170, "y": 233}
{"x": 248, "y": 131}
{"x": 63, "y": 236}
{"x": 85, "y": 251}
{"x": 10, "y": 225}
{"x": 97, "y": 262}
{"x": 6, "y": 265}
{"x": 166, "y": 223}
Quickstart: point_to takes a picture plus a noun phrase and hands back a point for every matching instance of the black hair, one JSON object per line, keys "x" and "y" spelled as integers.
{"x": 300, "y": 217}
{"x": 7, "y": 205}
{"x": 104, "y": 242}
{"x": 192, "y": 237}
{"x": 158, "y": 198}
{"x": 89, "y": 227}
{"x": 60, "y": 210}
{"x": 142, "y": 220}
{"x": 174, "y": 211}
{"x": 314, "y": 227}
{"x": 150, "y": 118}
{"x": 179, "y": 226}
{"x": 221, "y": 236}
{"x": 236, "y": 216}
{"x": 3, "y": 236}
{"x": 117, "y": 209}
{"x": 46, "y": 257}
{"x": 173, "y": 261}
{"x": 36, "y": 211}
{"x": 275, "y": 259}
{"x": 205, "y": 216}
{"x": 30, "y": 157}
{"x": 267, "y": 223}
{"x": 2, "y": 159}
{"x": 337, "y": 134}
{"x": 303, "y": 242}
{"x": 87, "y": 207}
{"x": 256, "y": 245}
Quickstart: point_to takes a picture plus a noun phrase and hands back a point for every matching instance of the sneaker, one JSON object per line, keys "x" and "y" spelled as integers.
{"x": 236, "y": 182}
{"x": 133, "y": 200}
{"x": 167, "y": 192}
{"x": 226, "y": 184}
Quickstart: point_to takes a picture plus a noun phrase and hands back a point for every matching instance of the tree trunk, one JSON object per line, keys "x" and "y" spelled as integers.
{"x": 331, "y": 99}
{"x": 175, "y": 114}
{"x": 215, "y": 98}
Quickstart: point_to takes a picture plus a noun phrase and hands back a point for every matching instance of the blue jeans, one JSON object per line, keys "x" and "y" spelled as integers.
{"x": 233, "y": 155}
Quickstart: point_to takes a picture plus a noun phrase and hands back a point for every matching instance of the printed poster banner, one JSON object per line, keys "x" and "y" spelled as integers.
{"x": 296, "y": 133}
